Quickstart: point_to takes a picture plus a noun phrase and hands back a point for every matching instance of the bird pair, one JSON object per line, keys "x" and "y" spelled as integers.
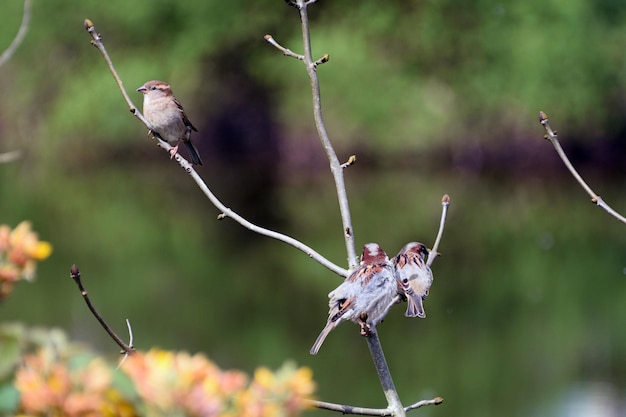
{"x": 369, "y": 291}
{"x": 167, "y": 118}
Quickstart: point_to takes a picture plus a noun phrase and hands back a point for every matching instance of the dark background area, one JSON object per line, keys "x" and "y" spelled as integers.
{"x": 527, "y": 311}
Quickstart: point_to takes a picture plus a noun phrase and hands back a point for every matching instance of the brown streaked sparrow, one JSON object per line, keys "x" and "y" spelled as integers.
{"x": 167, "y": 118}
{"x": 414, "y": 277}
{"x": 364, "y": 297}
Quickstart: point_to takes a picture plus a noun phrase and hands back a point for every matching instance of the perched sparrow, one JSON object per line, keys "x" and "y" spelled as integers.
{"x": 364, "y": 297}
{"x": 414, "y": 277}
{"x": 167, "y": 117}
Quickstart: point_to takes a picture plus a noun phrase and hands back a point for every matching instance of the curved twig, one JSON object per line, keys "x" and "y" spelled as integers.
{"x": 130, "y": 343}
{"x": 226, "y": 212}
{"x": 595, "y": 198}
{"x": 19, "y": 37}
{"x": 434, "y": 252}
{"x": 126, "y": 349}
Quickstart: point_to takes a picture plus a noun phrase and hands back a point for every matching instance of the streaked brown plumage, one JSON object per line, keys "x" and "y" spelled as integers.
{"x": 414, "y": 277}
{"x": 364, "y": 297}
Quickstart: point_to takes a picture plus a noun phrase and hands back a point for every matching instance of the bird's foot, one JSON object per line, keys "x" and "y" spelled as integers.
{"x": 365, "y": 327}
{"x": 173, "y": 151}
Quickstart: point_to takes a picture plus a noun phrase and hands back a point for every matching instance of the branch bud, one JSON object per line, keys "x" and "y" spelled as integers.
{"x": 88, "y": 24}
{"x": 75, "y": 273}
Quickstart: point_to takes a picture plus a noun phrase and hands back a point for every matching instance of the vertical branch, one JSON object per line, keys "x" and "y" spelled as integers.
{"x": 382, "y": 369}
{"x": 335, "y": 167}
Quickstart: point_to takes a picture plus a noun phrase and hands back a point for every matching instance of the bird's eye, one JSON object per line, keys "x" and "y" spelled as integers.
{"x": 153, "y": 88}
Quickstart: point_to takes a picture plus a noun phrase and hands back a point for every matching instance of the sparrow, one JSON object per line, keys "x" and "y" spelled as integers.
{"x": 364, "y": 297}
{"x": 167, "y": 118}
{"x": 414, "y": 277}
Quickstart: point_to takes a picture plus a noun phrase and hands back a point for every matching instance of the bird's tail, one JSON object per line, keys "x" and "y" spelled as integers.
{"x": 193, "y": 152}
{"x": 320, "y": 339}
{"x": 415, "y": 303}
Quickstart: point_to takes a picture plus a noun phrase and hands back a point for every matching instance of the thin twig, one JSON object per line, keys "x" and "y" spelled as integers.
{"x": 10, "y": 156}
{"x": 226, "y": 212}
{"x": 285, "y": 51}
{"x": 335, "y": 166}
{"x": 130, "y": 343}
{"x": 348, "y": 409}
{"x": 97, "y": 42}
{"x": 434, "y": 252}
{"x": 364, "y": 411}
{"x": 595, "y": 198}
{"x": 19, "y": 37}
{"x": 126, "y": 349}
{"x": 434, "y": 401}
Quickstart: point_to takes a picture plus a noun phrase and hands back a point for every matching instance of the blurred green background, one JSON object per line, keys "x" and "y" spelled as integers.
{"x": 528, "y": 309}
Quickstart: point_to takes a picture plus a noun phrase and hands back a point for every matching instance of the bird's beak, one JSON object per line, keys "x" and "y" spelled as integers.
{"x": 142, "y": 89}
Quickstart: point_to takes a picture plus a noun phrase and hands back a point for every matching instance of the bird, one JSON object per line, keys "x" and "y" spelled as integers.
{"x": 167, "y": 117}
{"x": 364, "y": 297}
{"x": 414, "y": 277}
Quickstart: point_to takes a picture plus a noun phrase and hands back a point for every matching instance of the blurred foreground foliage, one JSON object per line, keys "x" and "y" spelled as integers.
{"x": 43, "y": 374}
{"x": 20, "y": 250}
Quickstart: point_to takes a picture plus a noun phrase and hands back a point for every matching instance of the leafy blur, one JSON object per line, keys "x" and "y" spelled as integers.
{"x": 433, "y": 97}
{"x": 20, "y": 250}
{"x": 59, "y": 378}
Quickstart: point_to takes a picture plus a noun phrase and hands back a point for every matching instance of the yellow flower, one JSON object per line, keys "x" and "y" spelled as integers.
{"x": 264, "y": 377}
{"x": 23, "y": 239}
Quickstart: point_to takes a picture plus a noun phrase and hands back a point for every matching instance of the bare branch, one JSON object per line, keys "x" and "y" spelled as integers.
{"x": 19, "y": 37}
{"x": 226, "y": 212}
{"x": 348, "y": 409}
{"x": 434, "y": 252}
{"x": 393, "y": 400}
{"x": 595, "y": 198}
{"x": 335, "y": 166}
{"x": 285, "y": 51}
{"x": 130, "y": 343}
{"x": 126, "y": 349}
{"x": 434, "y": 401}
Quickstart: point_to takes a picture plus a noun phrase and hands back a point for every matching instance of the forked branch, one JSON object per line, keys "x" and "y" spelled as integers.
{"x": 225, "y": 211}
{"x": 336, "y": 167}
{"x": 395, "y": 407}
